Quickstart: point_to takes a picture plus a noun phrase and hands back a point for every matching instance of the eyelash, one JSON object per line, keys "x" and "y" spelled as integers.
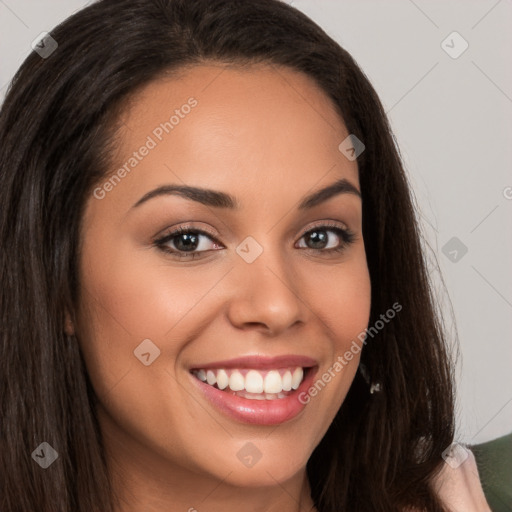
{"x": 346, "y": 235}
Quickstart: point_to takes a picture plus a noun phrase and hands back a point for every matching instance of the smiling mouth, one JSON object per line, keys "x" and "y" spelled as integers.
{"x": 254, "y": 384}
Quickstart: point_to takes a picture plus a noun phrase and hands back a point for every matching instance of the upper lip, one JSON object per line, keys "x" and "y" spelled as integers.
{"x": 260, "y": 362}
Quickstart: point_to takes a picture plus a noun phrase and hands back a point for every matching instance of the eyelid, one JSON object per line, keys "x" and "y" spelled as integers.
{"x": 322, "y": 224}
{"x": 188, "y": 226}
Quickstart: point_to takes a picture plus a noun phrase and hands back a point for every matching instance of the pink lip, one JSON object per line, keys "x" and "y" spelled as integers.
{"x": 260, "y": 362}
{"x": 257, "y": 412}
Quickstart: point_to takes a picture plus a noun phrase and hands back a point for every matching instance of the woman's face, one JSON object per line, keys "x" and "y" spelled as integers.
{"x": 257, "y": 304}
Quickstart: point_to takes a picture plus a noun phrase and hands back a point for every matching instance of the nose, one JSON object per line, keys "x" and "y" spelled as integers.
{"x": 266, "y": 296}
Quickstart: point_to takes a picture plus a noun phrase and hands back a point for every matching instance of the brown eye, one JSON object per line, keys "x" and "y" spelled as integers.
{"x": 185, "y": 243}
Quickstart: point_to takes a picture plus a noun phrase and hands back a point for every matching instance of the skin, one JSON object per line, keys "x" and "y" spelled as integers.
{"x": 268, "y": 136}
{"x": 460, "y": 487}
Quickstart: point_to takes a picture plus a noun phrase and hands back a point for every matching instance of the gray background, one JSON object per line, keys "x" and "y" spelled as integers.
{"x": 452, "y": 118}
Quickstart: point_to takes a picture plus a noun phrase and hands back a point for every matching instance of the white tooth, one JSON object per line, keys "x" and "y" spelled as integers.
{"x": 236, "y": 381}
{"x": 201, "y": 375}
{"x": 222, "y": 379}
{"x": 210, "y": 378}
{"x": 253, "y": 382}
{"x": 273, "y": 382}
{"x": 287, "y": 381}
{"x": 297, "y": 377}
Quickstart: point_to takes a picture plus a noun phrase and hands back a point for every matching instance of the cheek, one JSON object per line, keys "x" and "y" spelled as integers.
{"x": 341, "y": 298}
{"x": 134, "y": 294}
{"x": 125, "y": 301}
{"x": 353, "y": 301}
{"x": 144, "y": 298}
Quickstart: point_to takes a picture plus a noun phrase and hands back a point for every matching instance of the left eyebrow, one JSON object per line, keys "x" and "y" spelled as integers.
{"x": 342, "y": 186}
{"x": 219, "y": 199}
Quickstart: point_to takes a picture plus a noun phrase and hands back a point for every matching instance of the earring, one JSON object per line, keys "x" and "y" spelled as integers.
{"x": 375, "y": 387}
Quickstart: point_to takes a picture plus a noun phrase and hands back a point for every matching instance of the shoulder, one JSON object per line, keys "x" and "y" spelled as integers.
{"x": 458, "y": 483}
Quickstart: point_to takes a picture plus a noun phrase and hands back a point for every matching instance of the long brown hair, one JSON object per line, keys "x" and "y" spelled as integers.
{"x": 56, "y": 126}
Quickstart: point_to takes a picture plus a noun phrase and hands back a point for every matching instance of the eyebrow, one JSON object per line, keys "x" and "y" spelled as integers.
{"x": 219, "y": 199}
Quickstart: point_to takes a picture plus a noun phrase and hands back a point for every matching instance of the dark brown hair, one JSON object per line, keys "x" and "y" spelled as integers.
{"x": 56, "y": 125}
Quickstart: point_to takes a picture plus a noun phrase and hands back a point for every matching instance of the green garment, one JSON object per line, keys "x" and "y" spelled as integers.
{"x": 494, "y": 462}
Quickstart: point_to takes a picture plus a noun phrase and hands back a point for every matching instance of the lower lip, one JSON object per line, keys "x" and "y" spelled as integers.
{"x": 258, "y": 412}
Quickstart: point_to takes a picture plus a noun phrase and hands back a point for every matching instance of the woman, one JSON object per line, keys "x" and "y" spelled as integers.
{"x": 213, "y": 289}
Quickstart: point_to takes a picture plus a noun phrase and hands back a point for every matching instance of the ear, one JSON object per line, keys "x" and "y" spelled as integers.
{"x": 69, "y": 327}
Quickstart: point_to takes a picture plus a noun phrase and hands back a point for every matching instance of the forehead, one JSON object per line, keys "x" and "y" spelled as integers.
{"x": 237, "y": 129}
